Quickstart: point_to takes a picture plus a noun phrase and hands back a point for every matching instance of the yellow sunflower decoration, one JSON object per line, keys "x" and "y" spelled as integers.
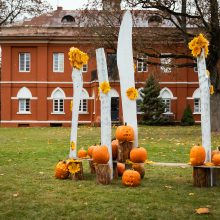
{"x": 196, "y": 45}
{"x": 77, "y": 58}
{"x": 104, "y": 87}
{"x": 74, "y": 167}
{"x": 132, "y": 93}
{"x": 72, "y": 145}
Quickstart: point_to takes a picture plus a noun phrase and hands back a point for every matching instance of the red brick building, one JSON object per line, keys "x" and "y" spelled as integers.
{"x": 36, "y": 84}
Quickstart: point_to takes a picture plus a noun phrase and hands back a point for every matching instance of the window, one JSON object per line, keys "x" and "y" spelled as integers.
{"x": 112, "y": 66}
{"x": 167, "y": 103}
{"x": 142, "y": 63}
{"x": 24, "y": 105}
{"x": 68, "y": 18}
{"x": 58, "y": 62}
{"x": 197, "y": 105}
{"x": 24, "y": 62}
{"x": 165, "y": 64}
{"x": 85, "y": 68}
{"x": 58, "y": 105}
{"x": 83, "y": 105}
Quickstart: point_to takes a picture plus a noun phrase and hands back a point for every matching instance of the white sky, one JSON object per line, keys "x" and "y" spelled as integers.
{"x": 67, "y": 4}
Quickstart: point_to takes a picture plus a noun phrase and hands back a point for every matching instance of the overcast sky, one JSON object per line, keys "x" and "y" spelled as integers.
{"x": 67, "y": 4}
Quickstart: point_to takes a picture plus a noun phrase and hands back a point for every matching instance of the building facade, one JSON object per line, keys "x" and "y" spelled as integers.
{"x": 36, "y": 83}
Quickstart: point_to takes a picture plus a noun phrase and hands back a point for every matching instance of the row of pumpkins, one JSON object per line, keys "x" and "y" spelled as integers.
{"x": 198, "y": 155}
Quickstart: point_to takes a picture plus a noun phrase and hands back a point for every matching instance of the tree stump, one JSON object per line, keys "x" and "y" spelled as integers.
{"x": 92, "y": 166}
{"x": 103, "y": 174}
{"x": 204, "y": 176}
{"x": 78, "y": 175}
{"x": 115, "y": 170}
{"x": 124, "y": 149}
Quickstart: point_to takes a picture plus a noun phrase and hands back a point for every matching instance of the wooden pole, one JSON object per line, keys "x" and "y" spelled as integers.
{"x": 103, "y": 174}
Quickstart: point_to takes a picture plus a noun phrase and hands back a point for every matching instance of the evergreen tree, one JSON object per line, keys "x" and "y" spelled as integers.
{"x": 187, "y": 118}
{"x": 152, "y": 105}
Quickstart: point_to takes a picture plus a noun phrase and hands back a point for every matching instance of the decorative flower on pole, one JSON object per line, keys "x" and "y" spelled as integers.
{"x": 77, "y": 58}
{"x": 197, "y": 44}
{"x": 105, "y": 87}
{"x": 132, "y": 93}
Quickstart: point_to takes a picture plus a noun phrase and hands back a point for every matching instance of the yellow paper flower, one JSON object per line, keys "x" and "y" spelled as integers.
{"x": 71, "y": 105}
{"x": 77, "y": 58}
{"x": 105, "y": 87}
{"x": 196, "y": 45}
{"x": 132, "y": 93}
{"x": 73, "y": 168}
{"x": 72, "y": 145}
{"x": 211, "y": 89}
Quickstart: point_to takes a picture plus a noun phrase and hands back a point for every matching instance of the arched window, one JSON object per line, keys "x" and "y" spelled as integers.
{"x": 197, "y": 102}
{"x": 166, "y": 96}
{"x": 139, "y": 101}
{"x": 24, "y": 96}
{"x": 83, "y": 105}
{"x": 155, "y": 21}
{"x": 58, "y": 96}
{"x": 68, "y": 18}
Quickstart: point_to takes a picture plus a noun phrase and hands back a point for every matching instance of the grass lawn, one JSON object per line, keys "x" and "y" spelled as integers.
{"x": 28, "y": 189}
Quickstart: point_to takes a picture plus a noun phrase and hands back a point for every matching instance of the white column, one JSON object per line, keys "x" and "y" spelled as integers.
{"x": 205, "y": 104}
{"x": 105, "y": 105}
{"x": 77, "y": 91}
{"x": 126, "y": 73}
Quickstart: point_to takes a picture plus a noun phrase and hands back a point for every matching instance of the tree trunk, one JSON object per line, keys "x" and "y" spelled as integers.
{"x": 215, "y": 112}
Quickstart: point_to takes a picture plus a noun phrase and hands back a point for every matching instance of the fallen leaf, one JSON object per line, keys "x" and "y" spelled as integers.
{"x": 191, "y": 194}
{"x": 202, "y": 211}
{"x": 41, "y": 172}
{"x": 2, "y": 174}
{"x": 168, "y": 187}
{"x": 16, "y": 194}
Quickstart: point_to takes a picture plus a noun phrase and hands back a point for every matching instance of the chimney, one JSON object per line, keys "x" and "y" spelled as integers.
{"x": 59, "y": 8}
{"x": 111, "y": 4}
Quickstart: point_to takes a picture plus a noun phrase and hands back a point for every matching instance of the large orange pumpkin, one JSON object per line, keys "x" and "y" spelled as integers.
{"x": 90, "y": 150}
{"x": 216, "y": 159}
{"x": 124, "y": 133}
{"x": 61, "y": 170}
{"x": 197, "y": 155}
{"x": 139, "y": 168}
{"x": 131, "y": 178}
{"x": 82, "y": 153}
{"x": 120, "y": 168}
{"x": 114, "y": 149}
{"x": 138, "y": 155}
{"x": 100, "y": 155}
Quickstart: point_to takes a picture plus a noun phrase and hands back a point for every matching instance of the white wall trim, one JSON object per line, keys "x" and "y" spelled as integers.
{"x": 33, "y": 121}
{"x": 32, "y": 98}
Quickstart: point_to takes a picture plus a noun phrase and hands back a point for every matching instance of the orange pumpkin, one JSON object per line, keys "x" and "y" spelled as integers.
{"x": 215, "y": 152}
{"x": 100, "y": 155}
{"x": 82, "y": 153}
{"x": 131, "y": 178}
{"x": 124, "y": 133}
{"x": 138, "y": 155}
{"x": 61, "y": 170}
{"x": 90, "y": 149}
{"x": 114, "y": 149}
{"x": 197, "y": 155}
{"x": 139, "y": 168}
{"x": 216, "y": 159}
{"x": 120, "y": 168}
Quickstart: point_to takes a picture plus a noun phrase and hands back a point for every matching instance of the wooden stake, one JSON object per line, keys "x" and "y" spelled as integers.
{"x": 92, "y": 166}
{"x": 115, "y": 170}
{"x": 124, "y": 149}
{"x": 103, "y": 174}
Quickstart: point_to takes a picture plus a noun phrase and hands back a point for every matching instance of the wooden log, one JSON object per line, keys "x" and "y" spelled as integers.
{"x": 103, "y": 174}
{"x": 115, "y": 170}
{"x": 92, "y": 166}
{"x": 78, "y": 175}
{"x": 204, "y": 176}
{"x": 124, "y": 149}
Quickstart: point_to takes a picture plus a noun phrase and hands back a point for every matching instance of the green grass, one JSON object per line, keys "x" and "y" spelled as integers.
{"x": 28, "y": 189}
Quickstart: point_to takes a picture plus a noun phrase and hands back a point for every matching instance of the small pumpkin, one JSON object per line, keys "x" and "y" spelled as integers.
{"x": 100, "y": 155}
{"x": 197, "y": 155}
{"x": 114, "y": 149}
{"x": 131, "y": 178}
{"x": 214, "y": 152}
{"x": 82, "y": 153}
{"x": 138, "y": 155}
{"x": 139, "y": 168}
{"x": 90, "y": 150}
{"x": 216, "y": 159}
{"x": 61, "y": 170}
{"x": 124, "y": 133}
{"x": 120, "y": 168}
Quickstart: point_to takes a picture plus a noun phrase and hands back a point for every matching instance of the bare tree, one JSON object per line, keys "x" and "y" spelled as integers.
{"x": 11, "y": 10}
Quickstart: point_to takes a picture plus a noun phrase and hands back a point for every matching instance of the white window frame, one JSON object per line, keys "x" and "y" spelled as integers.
{"x": 85, "y": 68}
{"x": 26, "y": 62}
{"x": 142, "y": 64}
{"x": 58, "y": 62}
{"x": 197, "y": 106}
{"x": 167, "y": 103}
{"x": 24, "y": 106}
{"x": 166, "y": 61}
{"x": 83, "y": 108}
{"x": 60, "y": 105}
